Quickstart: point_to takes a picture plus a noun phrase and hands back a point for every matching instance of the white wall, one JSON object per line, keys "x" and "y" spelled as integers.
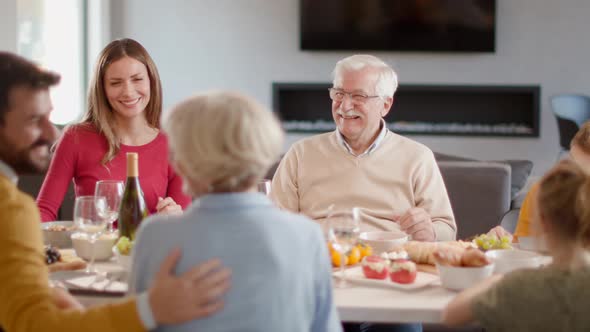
{"x": 8, "y": 30}
{"x": 247, "y": 44}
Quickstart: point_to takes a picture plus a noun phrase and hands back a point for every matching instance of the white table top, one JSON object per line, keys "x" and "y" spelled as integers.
{"x": 384, "y": 305}
{"x": 355, "y": 304}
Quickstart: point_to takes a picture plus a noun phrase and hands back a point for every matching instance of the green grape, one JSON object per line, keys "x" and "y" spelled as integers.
{"x": 124, "y": 246}
{"x": 489, "y": 242}
{"x": 493, "y": 241}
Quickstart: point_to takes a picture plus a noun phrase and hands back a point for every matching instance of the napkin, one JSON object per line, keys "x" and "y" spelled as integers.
{"x": 100, "y": 284}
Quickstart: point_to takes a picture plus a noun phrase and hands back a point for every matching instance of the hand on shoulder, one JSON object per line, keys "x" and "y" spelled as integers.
{"x": 194, "y": 294}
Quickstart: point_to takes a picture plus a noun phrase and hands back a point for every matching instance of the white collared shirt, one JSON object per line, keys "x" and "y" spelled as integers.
{"x": 371, "y": 147}
{"x": 8, "y": 172}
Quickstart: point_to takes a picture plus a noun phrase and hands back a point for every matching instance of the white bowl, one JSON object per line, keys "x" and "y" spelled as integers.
{"x": 510, "y": 260}
{"x": 533, "y": 243}
{"x": 58, "y": 233}
{"x": 458, "y": 277}
{"x": 103, "y": 247}
{"x": 383, "y": 241}
{"x": 123, "y": 260}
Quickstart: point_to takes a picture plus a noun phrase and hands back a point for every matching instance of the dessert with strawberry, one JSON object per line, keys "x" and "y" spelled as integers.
{"x": 402, "y": 271}
{"x": 375, "y": 267}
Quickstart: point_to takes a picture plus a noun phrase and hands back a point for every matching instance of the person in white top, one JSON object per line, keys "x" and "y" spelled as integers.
{"x": 394, "y": 180}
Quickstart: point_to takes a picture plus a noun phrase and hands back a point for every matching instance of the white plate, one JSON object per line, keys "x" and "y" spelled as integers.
{"x": 79, "y": 282}
{"x": 531, "y": 243}
{"x": 355, "y": 275}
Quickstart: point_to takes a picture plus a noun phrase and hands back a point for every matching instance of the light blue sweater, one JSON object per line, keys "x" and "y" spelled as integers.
{"x": 281, "y": 273}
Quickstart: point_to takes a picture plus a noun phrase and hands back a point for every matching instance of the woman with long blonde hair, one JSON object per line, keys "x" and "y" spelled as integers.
{"x": 124, "y": 107}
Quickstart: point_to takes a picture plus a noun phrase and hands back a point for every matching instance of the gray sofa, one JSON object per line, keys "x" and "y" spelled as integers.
{"x": 479, "y": 194}
{"x": 31, "y": 184}
{"x": 484, "y": 194}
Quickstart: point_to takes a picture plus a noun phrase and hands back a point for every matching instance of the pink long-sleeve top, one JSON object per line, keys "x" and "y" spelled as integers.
{"x": 78, "y": 157}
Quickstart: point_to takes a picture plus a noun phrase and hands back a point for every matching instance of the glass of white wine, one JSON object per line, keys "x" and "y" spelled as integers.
{"x": 88, "y": 221}
{"x": 112, "y": 192}
{"x": 343, "y": 234}
{"x": 264, "y": 186}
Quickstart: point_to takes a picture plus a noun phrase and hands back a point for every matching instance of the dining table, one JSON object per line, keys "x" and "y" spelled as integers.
{"x": 360, "y": 303}
{"x": 356, "y": 303}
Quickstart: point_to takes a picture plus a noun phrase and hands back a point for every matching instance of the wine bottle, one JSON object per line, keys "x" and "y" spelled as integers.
{"x": 133, "y": 209}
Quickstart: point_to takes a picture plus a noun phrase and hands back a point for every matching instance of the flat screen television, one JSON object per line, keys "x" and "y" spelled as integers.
{"x": 398, "y": 25}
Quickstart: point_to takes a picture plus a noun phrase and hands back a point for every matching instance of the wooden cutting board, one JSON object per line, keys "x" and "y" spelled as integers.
{"x": 427, "y": 268}
{"x": 69, "y": 262}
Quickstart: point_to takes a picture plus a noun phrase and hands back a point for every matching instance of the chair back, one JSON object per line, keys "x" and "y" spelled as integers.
{"x": 479, "y": 192}
{"x": 570, "y": 111}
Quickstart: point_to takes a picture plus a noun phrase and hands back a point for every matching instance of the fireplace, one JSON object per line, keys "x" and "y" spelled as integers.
{"x": 472, "y": 110}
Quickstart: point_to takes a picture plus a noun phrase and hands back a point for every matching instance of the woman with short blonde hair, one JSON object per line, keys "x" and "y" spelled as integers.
{"x": 239, "y": 141}
{"x": 222, "y": 143}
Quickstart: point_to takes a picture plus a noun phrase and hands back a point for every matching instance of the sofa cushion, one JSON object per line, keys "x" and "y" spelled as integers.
{"x": 448, "y": 157}
{"x": 479, "y": 192}
{"x": 520, "y": 170}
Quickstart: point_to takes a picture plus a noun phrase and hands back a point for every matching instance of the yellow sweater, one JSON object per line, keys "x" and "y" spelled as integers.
{"x": 525, "y": 226}
{"x": 398, "y": 175}
{"x": 25, "y": 301}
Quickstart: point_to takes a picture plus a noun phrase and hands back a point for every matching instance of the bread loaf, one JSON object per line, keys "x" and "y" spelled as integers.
{"x": 474, "y": 258}
{"x": 453, "y": 253}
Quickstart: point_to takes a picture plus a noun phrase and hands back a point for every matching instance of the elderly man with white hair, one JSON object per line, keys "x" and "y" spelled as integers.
{"x": 394, "y": 180}
{"x": 222, "y": 144}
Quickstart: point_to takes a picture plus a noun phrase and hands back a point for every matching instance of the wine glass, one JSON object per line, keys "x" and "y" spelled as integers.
{"x": 112, "y": 191}
{"x": 264, "y": 186}
{"x": 343, "y": 233}
{"x": 88, "y": 221}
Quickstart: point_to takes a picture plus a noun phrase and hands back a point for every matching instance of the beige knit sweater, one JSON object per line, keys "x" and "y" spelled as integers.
{"x": 398, "y": 175}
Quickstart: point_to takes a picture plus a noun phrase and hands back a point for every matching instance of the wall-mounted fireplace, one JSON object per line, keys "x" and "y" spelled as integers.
{"x": 478, "y": 110}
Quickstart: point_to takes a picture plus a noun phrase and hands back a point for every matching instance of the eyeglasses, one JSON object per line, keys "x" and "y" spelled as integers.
{"x": 356, "y": 97}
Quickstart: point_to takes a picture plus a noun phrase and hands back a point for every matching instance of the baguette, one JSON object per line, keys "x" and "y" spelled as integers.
{"x": 453, "y": 253}
{"x": 423, "y": 252}
{"x": 474, "y": 258}
{"x": 470, "y": 257}
{"x": 444, "y": 256}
